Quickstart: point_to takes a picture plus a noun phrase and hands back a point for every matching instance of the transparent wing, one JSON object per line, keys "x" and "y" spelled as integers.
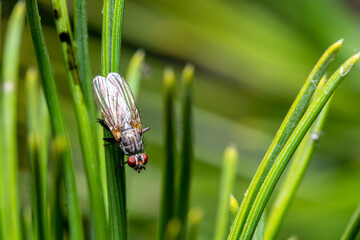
{"x": 115, "y": 100}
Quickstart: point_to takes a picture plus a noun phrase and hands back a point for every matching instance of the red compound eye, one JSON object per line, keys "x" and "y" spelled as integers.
{"x": 145, "y": 158}
{"x": 131, "y": 161}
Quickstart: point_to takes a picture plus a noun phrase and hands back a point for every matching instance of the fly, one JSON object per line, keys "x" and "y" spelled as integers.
{"x": 121, "y": 117}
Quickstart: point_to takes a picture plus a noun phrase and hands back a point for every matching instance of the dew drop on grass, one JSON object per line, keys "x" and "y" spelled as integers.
{"x": 342, "y": 72}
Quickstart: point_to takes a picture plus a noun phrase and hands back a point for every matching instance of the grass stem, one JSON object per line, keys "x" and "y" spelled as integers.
{"x": 168, "y": 179}
{"x": 183, "y": 194}
{"x": 9, "y": 201}
{"x": 228, "y": 176}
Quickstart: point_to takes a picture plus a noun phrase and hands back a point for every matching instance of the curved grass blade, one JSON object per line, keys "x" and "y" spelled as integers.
{"x": 283, "y": 134}
{"x": 57, "y": 122}
{"x": 9, "y": 199}
{"x": 286, "y": 153}
{"x": 296, "y": 172}
{"x": 234, "y": 207}
{"x": 353, "y": 227}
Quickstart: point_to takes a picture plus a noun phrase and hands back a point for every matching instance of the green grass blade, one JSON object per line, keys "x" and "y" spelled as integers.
{"x": 292, "y": 118}
{"x": 106, "y": 38}
{"x": 116, "y": 35}
{"x": 55, "y": 196}
{"x": 116, "y": 192}
{"x": 133, "y": 74}
{"x": 85, "y": 130}
{"x": 37, "y": 162}
{"x": 27, "y": 222}
{"x": 259, "y": 232}
{"x": 234, "y": 208}
{"x": 57, "y": 121}
{"x": 195, "y": 217}
{"x": 81, "y": 37}
{"x": 173, "y": 229}
{"x": 296, "y": 172}
{"x": 168, "y": 179}
{"x": 353, "y": 227}
{"x": 111, "y": 49}
{"x": 286, "y": 153}
{"x": 44, "y": 136}
{"x": 228, "y": 176}
{"x": 183, "y": 192}
{"x": 9, "y": 209}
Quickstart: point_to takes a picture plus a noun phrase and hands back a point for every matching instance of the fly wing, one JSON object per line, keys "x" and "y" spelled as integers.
{"x": 116, "y": 103}
{"x": 131, "y": 114}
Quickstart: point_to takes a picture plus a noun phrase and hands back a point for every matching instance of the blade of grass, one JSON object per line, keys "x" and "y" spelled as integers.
{"x": 133, "y": 74}
{"x": 286, "y": 153}
{"x": 85, "y": 131}
{"x": 353, "y": 227}
{"x": 111, "y": 49}
{"x": 106, "y": 36}
{"x": 195, "y": 217}
{"x": 234, "y": 207}
{"x": 81, "y": 37}
{"x": 38, "y": 170}
{"x": 173, "y": 229}
{"x": 28, "y": 228}
{"x": 168, "y": 179}
{"x": 259, "y": 232}
{"x": 296, "y": 172}
{"x": 10, "y": 215}
{"x": 287, "y": 127}
{"x": 116, "y": 35}
{"x": 183, "y": 191}
{"x": 83, "y": 59}
{"x": 57, "y": 121}
{"x": 44, "y": 136}
{"x": 228, "y": 175}
{"x": 55, "y": 196}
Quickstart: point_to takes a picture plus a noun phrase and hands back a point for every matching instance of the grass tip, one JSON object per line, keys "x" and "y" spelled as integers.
{"x": 230, "y": 154}
{"x": 140, "y": 54}
{"x": 59, "y": 144}
{"x": 173, "y": 229}
{"x": 31, "y": 75}
{"x": 188, "y": 74}
{"x": 169, "y": 77}
{"x": 234, "y": 205}
{"x": 195, "y": 215}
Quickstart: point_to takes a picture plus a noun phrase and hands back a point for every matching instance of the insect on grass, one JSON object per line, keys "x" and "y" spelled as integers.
{"x": 116, "y": 102}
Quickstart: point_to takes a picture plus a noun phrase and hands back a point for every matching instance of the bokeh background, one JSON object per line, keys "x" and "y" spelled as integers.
{"x": 251, "y": 58}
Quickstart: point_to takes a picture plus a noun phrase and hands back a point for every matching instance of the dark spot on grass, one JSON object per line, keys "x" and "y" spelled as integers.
{"x": 57, "y": 14}
{"x": 64, "y": 37}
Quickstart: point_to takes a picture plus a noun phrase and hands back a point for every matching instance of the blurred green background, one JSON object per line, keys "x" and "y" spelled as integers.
{"x": 251, "y": 58}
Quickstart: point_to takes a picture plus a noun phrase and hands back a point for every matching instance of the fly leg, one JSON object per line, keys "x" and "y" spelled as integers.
{"x": 121, "y": 164}
{"x": 102, "y": 122}
{"x": 110, "y": 141}
{"x": 145, "y": 129}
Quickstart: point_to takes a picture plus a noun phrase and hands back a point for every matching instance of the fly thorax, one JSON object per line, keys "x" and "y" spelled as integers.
{"x": 131, "y": 142}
